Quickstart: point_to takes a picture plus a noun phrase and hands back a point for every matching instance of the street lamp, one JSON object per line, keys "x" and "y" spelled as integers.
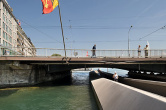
{"x": 129, "y": 41}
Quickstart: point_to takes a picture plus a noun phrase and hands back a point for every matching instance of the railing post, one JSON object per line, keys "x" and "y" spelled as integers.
{"x": 46, "y": 52}
{"x": 71, "y": 52}
{"x": 99, "y": 52}
{"x": 82, "y": 52}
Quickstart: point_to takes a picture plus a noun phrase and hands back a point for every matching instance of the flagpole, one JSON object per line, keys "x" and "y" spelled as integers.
{"x": 62, "y": 31}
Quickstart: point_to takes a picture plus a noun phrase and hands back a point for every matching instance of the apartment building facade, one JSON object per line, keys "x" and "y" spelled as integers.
{"x": 13, "y": 40}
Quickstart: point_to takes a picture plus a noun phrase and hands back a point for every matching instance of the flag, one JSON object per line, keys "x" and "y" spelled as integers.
{"x": 55, "y": 3}
{"x": 49, "y": 5}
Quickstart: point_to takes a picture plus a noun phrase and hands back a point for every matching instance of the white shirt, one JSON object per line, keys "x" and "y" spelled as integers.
{"x": 115, "y": 76}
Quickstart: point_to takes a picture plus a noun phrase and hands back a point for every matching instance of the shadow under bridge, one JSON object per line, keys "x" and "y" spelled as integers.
{"x": 135, "y": 64}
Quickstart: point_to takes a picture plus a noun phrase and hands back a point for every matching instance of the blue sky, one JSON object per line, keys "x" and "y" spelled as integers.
{"x": 105, "y": 23}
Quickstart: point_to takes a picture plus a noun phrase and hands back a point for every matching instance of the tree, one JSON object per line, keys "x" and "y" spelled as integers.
{"x": 55, "y": 54}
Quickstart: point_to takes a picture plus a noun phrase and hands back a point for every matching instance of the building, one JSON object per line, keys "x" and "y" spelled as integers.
{"x": 24, "y": 45}
{"x": 13, "y": 40}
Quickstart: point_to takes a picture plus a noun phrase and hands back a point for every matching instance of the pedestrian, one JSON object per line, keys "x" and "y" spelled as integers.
{"x": 139, "y": 51}
{"x": 115, "y": 76}
{"x": 94, "y": 51}
{"x": 146, "y": 51}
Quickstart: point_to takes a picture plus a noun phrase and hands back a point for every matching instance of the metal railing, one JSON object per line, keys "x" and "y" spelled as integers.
{"x": 51, "y": 52}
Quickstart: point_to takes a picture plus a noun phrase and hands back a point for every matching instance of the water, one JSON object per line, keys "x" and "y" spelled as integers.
{"x": 75, "y": 96}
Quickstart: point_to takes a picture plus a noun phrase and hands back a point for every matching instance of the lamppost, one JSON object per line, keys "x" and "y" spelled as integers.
{"x": 129, "y": 42}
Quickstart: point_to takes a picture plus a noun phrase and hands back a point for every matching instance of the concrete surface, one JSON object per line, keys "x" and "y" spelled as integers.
{"x": 156, "y": 87}
{"x": 116, "y": 96}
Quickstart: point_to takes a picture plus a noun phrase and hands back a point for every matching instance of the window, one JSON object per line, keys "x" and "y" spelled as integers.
{"x": 4, "y": 17}
{"x": 9, "y": 32}
{"x": 10, "y": 24}
{"x": 7, "y": 29}
{"x": 4, "y": 8}
{"x": 10, "y": 40}
{"x": 3, "y": 25}
{"x": 7, "y": 37}
{"x": 4, "y": 35}
{"x": 7, "y": 20}
{"x": 3, "y": 42}
{"x": 7, "y": 13}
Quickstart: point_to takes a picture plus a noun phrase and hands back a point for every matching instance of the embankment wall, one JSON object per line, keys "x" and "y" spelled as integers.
{"x": 156, "y": 87}
{"x": 112, "y": 95}
{"x": 14, "y": 74}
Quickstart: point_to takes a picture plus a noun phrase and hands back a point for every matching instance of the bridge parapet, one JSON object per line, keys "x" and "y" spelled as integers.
{"x": 52, "y": 52}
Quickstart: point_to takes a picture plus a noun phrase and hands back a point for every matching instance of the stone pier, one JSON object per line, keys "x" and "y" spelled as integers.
{"x": 14, "y": 74}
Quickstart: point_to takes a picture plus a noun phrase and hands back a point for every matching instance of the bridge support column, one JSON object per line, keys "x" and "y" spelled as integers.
{"x": 139, "y": 72}
{"x": 145, "y": 72}
{"x": 135, "y": 72}
{"x": 152, "y": 73}
{"x": 130, "y": 72}
{"x": 160, "y": 73}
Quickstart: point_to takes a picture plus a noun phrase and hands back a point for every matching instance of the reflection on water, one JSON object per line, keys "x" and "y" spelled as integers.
{"x": 75, "y": 96}
{"x": 4, "y": 93}
{"x": 80, "y": 78}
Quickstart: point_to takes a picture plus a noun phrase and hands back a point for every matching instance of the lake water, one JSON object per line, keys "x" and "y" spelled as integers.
{"x": 76, "y": 95}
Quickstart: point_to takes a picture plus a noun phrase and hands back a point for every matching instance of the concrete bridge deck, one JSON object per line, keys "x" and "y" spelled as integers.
{"x": 104, "y": 60}
{"x": 131, "y": 64}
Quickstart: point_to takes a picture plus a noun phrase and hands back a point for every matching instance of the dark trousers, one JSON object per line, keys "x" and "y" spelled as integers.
{"x": 93, "y": 53}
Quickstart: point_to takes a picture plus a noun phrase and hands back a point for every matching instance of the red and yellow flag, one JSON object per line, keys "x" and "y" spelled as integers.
{"x": 49, "y": 5}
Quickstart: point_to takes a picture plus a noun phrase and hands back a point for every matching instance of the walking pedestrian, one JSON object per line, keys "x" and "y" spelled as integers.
{"x": 94, "y": 51}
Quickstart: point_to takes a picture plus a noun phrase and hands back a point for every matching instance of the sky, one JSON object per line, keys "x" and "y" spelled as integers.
{"x": 105, "y": 23}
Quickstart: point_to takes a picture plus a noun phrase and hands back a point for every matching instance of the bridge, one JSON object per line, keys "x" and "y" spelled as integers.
{"x": 49, "y": 64}
{"x": 81, "y": 58}
{"x": 26, "y": 70}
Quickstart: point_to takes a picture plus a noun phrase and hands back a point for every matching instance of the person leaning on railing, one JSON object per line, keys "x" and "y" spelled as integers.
{"x": 139, "y": 51}
{"x": 146, "y": 51}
